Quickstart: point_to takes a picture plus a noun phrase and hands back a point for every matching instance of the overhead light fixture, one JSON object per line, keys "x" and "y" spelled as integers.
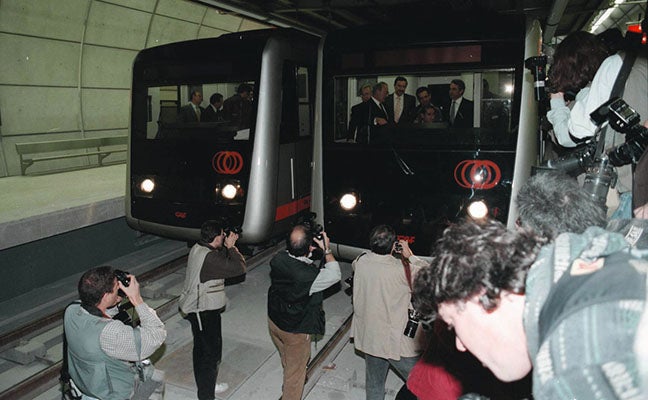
{"x": 603, "y": 17}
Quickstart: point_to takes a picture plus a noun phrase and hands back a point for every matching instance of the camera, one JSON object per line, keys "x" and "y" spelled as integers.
{"x": 412, "y": 323}
{"x": 235, "y": 229}
{"x": 122, "y": 276}
{"x": 599, "y": 172}
{"x": 313, "y": 227}
{"x": 623, "y": 119}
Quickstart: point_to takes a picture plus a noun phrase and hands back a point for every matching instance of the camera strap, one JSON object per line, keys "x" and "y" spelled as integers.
{"x": 618, "y": 88}
{"x": 408, "y": 272}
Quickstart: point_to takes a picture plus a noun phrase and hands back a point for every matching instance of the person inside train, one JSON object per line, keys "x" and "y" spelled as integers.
{"x": 425, "y": 100}
{"x": 104, "y": 355}
{"x": 192, "y": 112}
{"x": 400, "y": 106}
{"x": 427, "y": 116}
{"x": 295, "y": 300}
{"x": 515, "y": 305}
{"x": 373, "y": 116}
{"x": 459, "y": 110}
{"x": 212, "y": 260}
{"x": 238, "y": 108}
{"x": 607, "y": 82}
{"x": 214, "y": 111}
{"x": 385, "y": 328}
{"x": 355, "y": 119}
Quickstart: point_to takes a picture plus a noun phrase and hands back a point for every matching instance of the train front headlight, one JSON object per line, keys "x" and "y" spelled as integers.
{"x": 229, "y": 191}
{"x": 478, "y": 209}
{"x": 147, "y": 185}
{"x": 348, "y": 201}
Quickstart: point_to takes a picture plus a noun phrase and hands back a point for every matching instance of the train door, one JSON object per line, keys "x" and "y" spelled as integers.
{"x": 296, "y": 145}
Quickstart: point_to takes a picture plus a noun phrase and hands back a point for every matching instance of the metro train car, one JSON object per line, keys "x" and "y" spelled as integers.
{"x": 250, "y": 164}
{"x": 420, "y": 175}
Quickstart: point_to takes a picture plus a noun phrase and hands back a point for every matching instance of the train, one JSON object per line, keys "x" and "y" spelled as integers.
{"x": 251, "y": 166}
{"x": 292, "y": 155}
{"x": 420, "y": 177}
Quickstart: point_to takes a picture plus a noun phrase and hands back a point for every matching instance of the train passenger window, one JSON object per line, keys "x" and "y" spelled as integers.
{"x": 445, "y": 109}
{"x": 223, "y": 110}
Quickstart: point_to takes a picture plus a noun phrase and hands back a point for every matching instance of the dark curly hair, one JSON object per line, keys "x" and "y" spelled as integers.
{"x": 551, "y": 203}
{"x": 471, "y": 258}
{"x": 575, "y": 62}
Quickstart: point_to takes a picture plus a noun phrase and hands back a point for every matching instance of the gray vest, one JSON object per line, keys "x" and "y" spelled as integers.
{"x": 200, "y": 296}
{"x": 94, "y": 372}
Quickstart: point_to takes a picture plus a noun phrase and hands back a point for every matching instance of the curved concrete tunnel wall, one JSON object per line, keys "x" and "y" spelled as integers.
{"x": 65, "y": 69}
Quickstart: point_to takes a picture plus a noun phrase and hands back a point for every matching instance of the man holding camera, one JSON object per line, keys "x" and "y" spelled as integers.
{"x": 384, "y": 324}
{"x": 295, "y": 302}
{"x": 100, "y": 350}
{"x": 213, "y": 259}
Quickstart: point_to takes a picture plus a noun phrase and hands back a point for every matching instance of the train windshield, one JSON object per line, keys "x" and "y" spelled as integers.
{"x": 218, "y": 110}
{"x": 425, "y": 115}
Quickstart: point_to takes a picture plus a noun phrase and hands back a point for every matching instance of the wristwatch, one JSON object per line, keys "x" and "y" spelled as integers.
{"x": 327, "y": 251}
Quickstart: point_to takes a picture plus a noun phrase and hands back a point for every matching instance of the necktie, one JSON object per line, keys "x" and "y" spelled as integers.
{"x": 398, "y": 108}
{"x": 197, "y": 109}
{"x": 453, "y": 110}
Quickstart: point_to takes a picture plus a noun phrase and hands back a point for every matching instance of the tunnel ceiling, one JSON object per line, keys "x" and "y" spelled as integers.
{"x": 327, "y": 15}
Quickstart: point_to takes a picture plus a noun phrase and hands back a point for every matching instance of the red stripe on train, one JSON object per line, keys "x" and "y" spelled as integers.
{"x": 287, "y": 210}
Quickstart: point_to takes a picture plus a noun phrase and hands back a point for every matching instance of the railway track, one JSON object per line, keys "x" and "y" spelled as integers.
{"x": 160, "y": 288}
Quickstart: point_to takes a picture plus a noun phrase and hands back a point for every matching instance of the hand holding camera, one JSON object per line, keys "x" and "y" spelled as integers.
{"x": 230, "y": 239}
{"x": 130, "y": 286}
{"x": 401, "y": 249}
{"x": 322, "y": 240}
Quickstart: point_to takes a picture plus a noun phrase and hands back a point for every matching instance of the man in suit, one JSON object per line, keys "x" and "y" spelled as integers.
{"x": 192, "y": 112}
{"x": 459, "y": 112}
{"x": 372, "y": 114}
{"x": 238, "y": 108}
{"x": 425, "y": 101}
{"x": 401, "y": 107}
{"x": 214, "y": 112}
{"x": 354, "y": 121}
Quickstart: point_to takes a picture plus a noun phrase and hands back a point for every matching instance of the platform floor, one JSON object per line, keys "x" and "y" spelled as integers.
{"x": 251, "y": 364}
{"x": 36, "y": 207}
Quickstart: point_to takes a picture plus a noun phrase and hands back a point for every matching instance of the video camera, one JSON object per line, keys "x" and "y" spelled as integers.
{"x": 598, "y": 165}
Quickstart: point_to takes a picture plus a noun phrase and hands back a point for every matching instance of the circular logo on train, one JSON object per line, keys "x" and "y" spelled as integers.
{"x": 227, "y": 162}
{"x": 477, "y": 174}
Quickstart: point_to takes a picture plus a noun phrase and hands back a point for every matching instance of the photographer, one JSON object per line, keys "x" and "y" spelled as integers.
{"x": 576, "y": 61}
{"x": 101, "y": 351}
{"x": 382, "y": 309}
{"x": 295, "y": 302}
{"x": 213, "y": 259}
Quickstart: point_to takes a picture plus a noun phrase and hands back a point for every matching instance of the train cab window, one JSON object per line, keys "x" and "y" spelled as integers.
{"x": 483, "y": 115}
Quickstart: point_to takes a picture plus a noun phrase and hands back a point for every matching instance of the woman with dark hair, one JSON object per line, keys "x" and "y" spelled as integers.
{"x": 576, "y": 61}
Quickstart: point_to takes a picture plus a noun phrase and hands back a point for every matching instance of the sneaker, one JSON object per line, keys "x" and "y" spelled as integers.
{"x": 220, "y": 388}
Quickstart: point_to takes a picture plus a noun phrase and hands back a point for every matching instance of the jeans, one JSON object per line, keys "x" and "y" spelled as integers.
{"x": 376, "y": 369}
{"x": 207, "y": 351}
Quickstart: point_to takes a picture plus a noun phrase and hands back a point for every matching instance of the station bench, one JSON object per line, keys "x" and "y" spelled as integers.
{"x": 38, "y": 151}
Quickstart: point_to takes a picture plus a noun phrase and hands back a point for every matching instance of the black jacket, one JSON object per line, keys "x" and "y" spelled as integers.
{"x": 289, "y": 305}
